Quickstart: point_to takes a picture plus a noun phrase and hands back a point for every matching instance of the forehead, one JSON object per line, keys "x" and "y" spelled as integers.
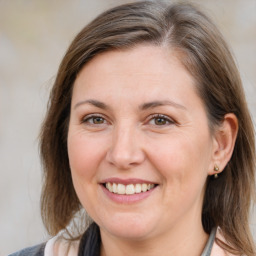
{"x": 142, "y": 66}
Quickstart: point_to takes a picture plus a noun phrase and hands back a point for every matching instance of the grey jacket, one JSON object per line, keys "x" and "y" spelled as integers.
{"x": 37, "y": 250}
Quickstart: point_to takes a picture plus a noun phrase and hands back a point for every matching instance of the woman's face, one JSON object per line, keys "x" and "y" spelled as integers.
{"x": 138, "y": 128}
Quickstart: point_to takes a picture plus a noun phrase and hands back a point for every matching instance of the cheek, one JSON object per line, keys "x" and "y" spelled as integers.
{"x": 182, "y": 159}
{"x": 85, "y": 156}
{"x": 184, "y": 174}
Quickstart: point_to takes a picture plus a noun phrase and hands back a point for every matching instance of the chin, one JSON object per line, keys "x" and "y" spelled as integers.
{"x": 132, "y": 227}
{"x": 129, "y": 233}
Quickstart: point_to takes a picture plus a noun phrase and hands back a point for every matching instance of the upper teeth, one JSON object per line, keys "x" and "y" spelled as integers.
{"x": 130, "y": 189}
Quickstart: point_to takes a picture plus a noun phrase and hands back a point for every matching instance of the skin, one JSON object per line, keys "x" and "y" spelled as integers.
{"x": 114, "y": 133}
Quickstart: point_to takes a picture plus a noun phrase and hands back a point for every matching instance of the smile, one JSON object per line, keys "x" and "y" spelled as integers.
{"x": 130, "y": 189}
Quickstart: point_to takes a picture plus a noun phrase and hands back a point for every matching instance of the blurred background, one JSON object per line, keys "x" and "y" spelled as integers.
{"x": 34, "y": 36}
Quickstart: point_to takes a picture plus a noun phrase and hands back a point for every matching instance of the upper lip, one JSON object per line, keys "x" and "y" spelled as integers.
{"x": 126, "y": 181}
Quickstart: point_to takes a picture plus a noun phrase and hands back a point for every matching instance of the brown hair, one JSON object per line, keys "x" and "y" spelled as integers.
{"x": 204, "y": 53}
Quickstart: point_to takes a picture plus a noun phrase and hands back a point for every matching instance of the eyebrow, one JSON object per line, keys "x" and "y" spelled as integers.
{"x": 95, "y": 103}
{"x": 155, "y": 104}
{"x": 144, "y": 106}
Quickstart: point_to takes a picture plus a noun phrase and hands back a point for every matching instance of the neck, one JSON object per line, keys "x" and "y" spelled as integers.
{"x": 187, "y": 240}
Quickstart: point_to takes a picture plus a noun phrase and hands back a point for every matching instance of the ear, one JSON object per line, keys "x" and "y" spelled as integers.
{"x": 224, "y": 142}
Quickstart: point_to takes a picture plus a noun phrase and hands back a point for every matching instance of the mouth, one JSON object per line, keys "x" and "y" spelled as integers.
{"x": 129, "y": 189}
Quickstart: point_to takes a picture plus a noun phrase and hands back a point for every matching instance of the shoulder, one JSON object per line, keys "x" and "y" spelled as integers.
{"x": 37, "y": 250}
{"x": 59, "y": 246}
{"x": 56, "y": 246}
{"x": 216, "y": 249}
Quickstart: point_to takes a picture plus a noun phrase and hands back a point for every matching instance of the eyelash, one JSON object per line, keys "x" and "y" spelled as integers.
{"x": 92, "y": 117}
{"x": 167, "y": 119}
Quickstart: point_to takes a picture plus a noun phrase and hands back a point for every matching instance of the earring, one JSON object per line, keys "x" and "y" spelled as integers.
{"x": 216, "y": 169}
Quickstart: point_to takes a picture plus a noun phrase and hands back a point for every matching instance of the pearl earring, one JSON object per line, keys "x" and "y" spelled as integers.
{"x": 216, "y": 169}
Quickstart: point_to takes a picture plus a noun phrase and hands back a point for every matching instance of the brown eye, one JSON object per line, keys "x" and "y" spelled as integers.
{"x": 97, "y": 120}
{"x": 160, "y": 121}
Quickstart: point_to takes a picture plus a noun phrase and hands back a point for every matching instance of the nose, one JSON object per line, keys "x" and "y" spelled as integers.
{"x": 126, "y": 150}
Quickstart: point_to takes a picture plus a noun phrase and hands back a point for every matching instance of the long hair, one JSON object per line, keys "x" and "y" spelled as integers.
{"x": 204, "y": 53}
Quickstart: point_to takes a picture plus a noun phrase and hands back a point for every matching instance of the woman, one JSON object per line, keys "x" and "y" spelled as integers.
{"x": 148, "y": 131}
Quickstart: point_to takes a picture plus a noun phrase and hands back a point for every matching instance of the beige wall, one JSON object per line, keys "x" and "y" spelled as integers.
{"x": 33, "y": 38}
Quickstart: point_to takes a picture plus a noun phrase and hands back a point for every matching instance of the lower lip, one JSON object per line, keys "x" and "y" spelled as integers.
{"x": 127, "y": 199}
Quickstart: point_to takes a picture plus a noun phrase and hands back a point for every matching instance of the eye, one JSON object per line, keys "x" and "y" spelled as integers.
{"x": 94, "y": 120}
{"x": 160, "y": 120}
